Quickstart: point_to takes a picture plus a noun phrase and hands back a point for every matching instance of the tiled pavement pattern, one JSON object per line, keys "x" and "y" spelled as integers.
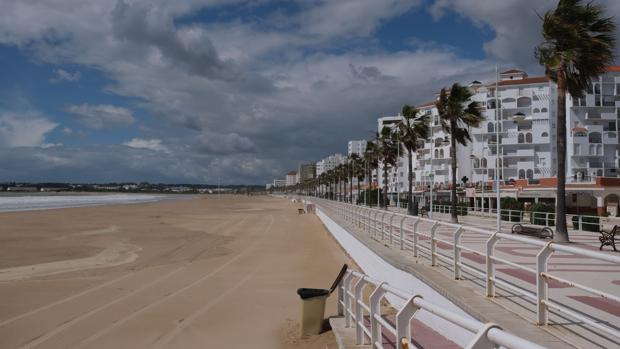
{"x": 590, "y": 272}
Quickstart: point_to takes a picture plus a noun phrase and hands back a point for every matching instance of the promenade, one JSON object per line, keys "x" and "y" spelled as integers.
{"x": 515, "y": 281}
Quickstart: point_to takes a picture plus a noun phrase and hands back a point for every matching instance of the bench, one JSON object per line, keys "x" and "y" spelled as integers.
{"x": 300, "y": 211}
{"x": 608, "y": 238}
{"x": 541, "y": 232}
{"x": 423, "y": 212}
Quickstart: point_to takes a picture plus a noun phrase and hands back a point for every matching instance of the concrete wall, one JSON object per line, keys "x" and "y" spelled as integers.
{"x": 376, "y": 267}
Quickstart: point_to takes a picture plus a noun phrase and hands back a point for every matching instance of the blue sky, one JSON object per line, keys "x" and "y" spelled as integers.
{"x": 99, "y": 91}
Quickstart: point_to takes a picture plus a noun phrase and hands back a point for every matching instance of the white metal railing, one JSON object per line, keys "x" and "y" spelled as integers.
{"x": 369, "y": 322}
{"x": 390, "y": 227}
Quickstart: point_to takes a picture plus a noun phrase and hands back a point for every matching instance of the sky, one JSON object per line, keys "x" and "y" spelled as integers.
{"x": 237, "y": 91}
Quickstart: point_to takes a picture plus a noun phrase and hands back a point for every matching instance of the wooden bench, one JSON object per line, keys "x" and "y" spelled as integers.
{"x": 608, "y": 238}
{"x": 541, "y": 232}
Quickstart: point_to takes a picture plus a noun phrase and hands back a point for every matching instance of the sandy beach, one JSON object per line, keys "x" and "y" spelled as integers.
{"x": 200, "y": 273}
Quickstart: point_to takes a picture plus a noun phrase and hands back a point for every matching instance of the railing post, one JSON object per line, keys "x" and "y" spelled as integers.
{"x": 457, "y": 252}
{"x": 392, "y": 229}
{"x": 347, "y": 299}
{"x": 433, "y": 244}
{"x": 403, "y": 319}
{"x": 375, "y": 309}
{"x": 490, "y": 276}
{"x": 340, "y": 299}
{"x": 402, "y": 233}
{"x": 541, "y": 283}
{"x": 359, "y": 311}
{"x": 415, "y": 237}
{"x": 382, "y": 226}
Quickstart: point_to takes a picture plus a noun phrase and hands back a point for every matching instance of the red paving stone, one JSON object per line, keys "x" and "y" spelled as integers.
{"x": 423, "y": 336}
{"x": 529, "y": 277}
{"x": 474, "y": 257}
{"x": 606, "y": 305}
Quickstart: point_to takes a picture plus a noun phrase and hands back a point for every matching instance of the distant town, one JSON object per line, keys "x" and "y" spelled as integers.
{"x": 142, "y": 187}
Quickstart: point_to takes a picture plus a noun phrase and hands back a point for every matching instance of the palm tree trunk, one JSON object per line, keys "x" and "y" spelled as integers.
{"x": 453, "y": 214}
{"x": 410, "y": 176}
{"x": 358, "y": 188}
{"x": 561, "y": 233}
{"x": 385, "y": 187}
{"x": 351, "y": 186}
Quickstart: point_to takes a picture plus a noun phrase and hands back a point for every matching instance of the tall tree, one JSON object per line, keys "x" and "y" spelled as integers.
{"x": 371, "y": 160}
{"x": 457, "y": 116}
{"x": 411, "y": 130}
{"x": 389, "y": 149}
{"x": 357, "y": 171}
{"x": 578, "y": 46}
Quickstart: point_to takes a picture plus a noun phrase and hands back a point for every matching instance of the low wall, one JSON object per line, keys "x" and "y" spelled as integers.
{"x": 376, "y": 267}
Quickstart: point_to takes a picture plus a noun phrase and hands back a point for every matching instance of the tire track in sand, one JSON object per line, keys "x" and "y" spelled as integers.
{"x": 88, "y": 291}
{"x": 133, "y": 315}
{"x": 67, "y": 324}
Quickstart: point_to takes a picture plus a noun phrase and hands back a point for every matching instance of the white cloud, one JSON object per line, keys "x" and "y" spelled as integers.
{"x": 25, "y": 129}
{"x": 61, "y": 75}
{"x": 151, "y": 144}
{"x": 101, "y": 116}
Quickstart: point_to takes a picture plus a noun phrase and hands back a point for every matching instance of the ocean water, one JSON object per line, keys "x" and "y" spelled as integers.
{"x": 42, "y": 202}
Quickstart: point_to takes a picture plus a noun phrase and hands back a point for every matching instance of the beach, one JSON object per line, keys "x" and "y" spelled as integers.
{"x": 206, "y": 272}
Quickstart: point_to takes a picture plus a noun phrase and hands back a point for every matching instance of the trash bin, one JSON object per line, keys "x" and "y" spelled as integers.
{"x": 313, "y": 305}
{"x": 313, "y": 310}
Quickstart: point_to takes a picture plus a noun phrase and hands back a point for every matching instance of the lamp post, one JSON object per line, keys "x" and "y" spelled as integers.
{"x": 497, "y": 126}
{"x": 430, "y": 176}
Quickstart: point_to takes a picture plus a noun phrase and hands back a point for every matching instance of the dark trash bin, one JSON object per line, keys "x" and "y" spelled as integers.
{"x": 313, "y": 306}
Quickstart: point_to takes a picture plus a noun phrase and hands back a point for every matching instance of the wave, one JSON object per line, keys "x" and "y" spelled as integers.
{"x": 29, "y": 203}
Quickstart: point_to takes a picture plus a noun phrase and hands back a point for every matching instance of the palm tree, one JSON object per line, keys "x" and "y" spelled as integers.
{"x": 578, "y": 46}
{"x": 456, "y": 119}
{"x": 388, "y": 145}
{"x": 357, "y": 171}
{"x": 371, "y": 157}
{"x": 411, "y": 130}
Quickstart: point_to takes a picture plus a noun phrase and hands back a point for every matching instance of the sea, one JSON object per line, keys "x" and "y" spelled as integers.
{"x": 31, "y": 202}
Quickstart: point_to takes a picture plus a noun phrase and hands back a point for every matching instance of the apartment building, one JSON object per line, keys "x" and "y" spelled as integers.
{"x": 356, "y": 147}
{"x": 329, "y": 163}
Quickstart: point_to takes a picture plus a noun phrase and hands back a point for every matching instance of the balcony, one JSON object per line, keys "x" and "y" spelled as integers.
{"x": 610, "y": 137}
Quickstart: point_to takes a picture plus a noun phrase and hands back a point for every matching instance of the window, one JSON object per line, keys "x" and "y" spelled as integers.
{"x": 543, "y": 110}
{"x": 490, "y": 127}
{"x": 530, "y": 174}
{"x": 520, "y": 138}
{"x": 483, "y": 163}
{"x": 595, "y": 137}
{"x": 544, "y": 134}
{"x": 521, "y": 174}
{"x": 528, "y": 137}
{"x": 524, "y": 102}
{"x": 536, "y": 110}
{"x": 441, "y": 155}
{"x": 436, "y": 153}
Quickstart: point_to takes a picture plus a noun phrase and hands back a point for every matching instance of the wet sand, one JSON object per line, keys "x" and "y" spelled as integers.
{"x": 201, "y": 273}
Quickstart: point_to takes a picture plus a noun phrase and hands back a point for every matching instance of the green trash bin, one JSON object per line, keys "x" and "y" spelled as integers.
{"x": 313, "y": 310}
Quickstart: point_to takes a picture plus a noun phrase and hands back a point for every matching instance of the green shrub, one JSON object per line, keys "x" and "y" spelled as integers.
{"x": 372, "y": 197}
{"x": 588, "y": 223}
{"x": 512, "y": 204}
{"x": 539, "y": 219}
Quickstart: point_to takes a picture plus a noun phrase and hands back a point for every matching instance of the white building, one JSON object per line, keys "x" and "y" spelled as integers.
{"x": 522, "y": 121}
{"x": 357, "y": 147}
{"x": 592, "y": 130}
{"x": 291, "y": 178}
{"x": 277, "y": 183}
{"x": 329, "y": 163}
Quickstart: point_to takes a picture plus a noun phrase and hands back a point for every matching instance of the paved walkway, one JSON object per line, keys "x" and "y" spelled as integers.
{"x": 593, "y": 273}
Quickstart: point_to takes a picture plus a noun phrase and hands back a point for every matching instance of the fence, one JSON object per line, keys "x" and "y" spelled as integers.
{"x": 579, "y": 222}
{"x": 356, "y": 312}
{"x": 390, "y": 228}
